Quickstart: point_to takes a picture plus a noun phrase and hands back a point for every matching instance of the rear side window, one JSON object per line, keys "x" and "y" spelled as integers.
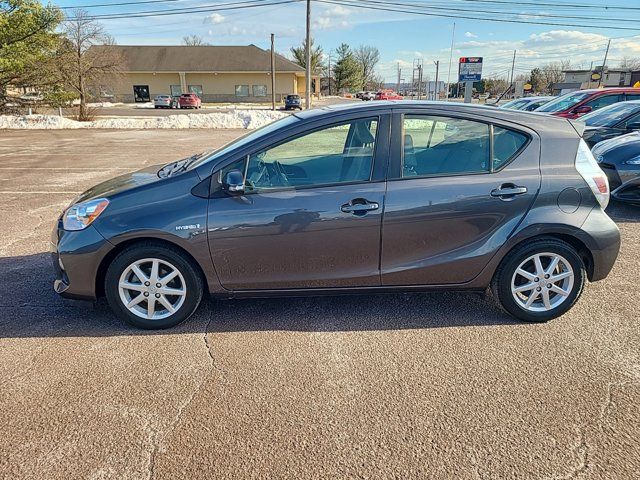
{"x": 435, "y": 145}
{"x": 506, "y": 144}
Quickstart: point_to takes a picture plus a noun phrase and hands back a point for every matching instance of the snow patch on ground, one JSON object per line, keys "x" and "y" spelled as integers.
{"x": 247, "y": 119}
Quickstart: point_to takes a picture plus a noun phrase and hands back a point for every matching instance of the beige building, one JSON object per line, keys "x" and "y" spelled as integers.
{"x": 215, "y": 73}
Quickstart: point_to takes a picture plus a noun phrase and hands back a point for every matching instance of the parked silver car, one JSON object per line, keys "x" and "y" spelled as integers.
{"x": 162, "y": 101}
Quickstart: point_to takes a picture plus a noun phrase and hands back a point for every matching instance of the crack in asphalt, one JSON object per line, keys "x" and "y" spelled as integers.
{"x": 158, "y": 439}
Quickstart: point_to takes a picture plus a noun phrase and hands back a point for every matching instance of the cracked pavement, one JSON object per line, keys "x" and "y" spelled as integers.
{"x": 385, "y": 386}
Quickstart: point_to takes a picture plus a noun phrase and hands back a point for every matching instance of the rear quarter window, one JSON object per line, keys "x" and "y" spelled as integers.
{"x": 506, "y": 145}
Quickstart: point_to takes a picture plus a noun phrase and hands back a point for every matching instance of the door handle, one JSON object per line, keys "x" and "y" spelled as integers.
{"x": 508, "y": 191}
{"x": 359, "y": 206}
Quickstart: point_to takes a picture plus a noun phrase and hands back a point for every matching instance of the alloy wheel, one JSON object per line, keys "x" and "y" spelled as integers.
{"x": 542, "y": 282}
{"x": 151, "y": 288}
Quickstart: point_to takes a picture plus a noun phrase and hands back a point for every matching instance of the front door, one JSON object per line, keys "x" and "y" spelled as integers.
{"x": 461, "y": 187}
{"x": 311, "y": 213}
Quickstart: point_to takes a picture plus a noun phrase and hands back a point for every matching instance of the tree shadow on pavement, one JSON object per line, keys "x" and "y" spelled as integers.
{"x": 30, "y": 308}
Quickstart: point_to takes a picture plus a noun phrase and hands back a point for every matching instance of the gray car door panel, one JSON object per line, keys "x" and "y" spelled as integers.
{"x": 443, "y": 229}
{"x": 303, "y": 236}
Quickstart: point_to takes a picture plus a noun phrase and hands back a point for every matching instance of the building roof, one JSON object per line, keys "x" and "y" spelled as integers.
{"x": 206, "y": 58}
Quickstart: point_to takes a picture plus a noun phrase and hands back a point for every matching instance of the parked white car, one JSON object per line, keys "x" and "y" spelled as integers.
{"x": 162, "y": 101}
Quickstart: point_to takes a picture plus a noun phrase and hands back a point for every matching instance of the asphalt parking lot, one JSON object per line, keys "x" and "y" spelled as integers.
{"x": 436, "y": 386}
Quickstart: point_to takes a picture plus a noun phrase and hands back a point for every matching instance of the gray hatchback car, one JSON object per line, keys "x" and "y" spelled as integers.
{"x": 368, "y": 198}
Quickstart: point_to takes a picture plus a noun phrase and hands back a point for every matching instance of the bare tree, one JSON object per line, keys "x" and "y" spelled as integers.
{"x": 629, "y": 63}
{"x": 367, "y": 57}
{"x": 86, "y": 58}
{"x": 193, "y": 41}
{"x": 554, "y": 72}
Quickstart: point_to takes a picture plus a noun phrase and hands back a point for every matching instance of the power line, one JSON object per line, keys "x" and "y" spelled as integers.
{"x": 115, "y": 4}
{"x": 421, "y": 6}
{"x": 202, "y": 9}
{"x": 364, "y": 5}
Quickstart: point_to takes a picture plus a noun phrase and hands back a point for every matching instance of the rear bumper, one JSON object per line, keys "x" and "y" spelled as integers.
{"x": 601, "y": 236}
{"x": 76, "y": 259}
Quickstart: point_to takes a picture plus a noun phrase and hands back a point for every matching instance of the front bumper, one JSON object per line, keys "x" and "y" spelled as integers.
{"x": 76, "y": 258}
{"x": 624, "y": 181}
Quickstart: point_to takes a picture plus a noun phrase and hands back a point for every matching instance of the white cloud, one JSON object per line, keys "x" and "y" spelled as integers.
{"x": 470, "y": 35}
{"x": 214, "y": 18}
{"x": 332, "y": 18}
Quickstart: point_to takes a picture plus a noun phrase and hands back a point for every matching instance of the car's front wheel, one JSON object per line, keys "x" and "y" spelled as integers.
{"x": 539, "y": 281}
{"x": 153, "y": 286}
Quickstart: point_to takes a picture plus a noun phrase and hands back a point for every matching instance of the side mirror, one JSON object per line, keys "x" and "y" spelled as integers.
{"x": 581, "y": 110}
{"x": 233, "y": 183}
{"x": 633, "y": 126}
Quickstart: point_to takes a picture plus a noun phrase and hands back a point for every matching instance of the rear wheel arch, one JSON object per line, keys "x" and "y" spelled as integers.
{"x": 143, "y": 241}
{"x": 578, "y": 245}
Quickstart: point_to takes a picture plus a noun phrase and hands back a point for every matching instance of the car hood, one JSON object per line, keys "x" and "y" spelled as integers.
{"x": 122, "y": 183}
{"x": 625, "y": 143}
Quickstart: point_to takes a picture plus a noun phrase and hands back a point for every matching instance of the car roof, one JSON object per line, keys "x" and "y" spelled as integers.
{"x": 518, "y": 116}
{"x": 608, "y": 89}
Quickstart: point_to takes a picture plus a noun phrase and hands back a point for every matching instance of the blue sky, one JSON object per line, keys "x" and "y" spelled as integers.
{"x": 401, "y": 38}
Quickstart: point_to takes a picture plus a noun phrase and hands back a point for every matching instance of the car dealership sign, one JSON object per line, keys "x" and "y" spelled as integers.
{"x": 470, "y": 69}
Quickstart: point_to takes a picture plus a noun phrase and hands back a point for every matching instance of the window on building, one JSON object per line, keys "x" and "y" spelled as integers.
{"x": 259, "y": 90}
{"x": 242, "y": 90}
{"x": 197, "y": 89}
{"x": 176, "y": 90}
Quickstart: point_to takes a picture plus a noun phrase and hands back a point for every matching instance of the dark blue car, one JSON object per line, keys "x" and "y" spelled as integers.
{"x": 292, "y": 102}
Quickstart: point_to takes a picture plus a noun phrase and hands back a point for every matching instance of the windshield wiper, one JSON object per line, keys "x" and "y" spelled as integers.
{"x": 178, "y": 166}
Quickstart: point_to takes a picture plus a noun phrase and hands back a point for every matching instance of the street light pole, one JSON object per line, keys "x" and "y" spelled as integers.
{"x": 307, "y": 93}
{"x": 453, "y": 34}
{"x": 273, "y": 73}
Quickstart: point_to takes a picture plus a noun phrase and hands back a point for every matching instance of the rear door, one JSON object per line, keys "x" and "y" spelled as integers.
{"x": 458, "y": 187}
{"x": 312, "y": 210}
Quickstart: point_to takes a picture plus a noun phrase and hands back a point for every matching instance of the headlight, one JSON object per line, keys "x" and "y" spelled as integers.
{"x": 81, "y": 215}
{"x": 633, "y": 161}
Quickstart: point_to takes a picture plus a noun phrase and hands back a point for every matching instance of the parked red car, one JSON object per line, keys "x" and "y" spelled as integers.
{"x": 576, "y": 104}
{"x": 388, "y": 95}
{"x": 190, "y": 100}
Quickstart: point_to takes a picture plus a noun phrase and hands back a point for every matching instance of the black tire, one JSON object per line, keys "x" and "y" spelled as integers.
{"x": 501, "y": 283}
{"x": 184, "y": 264}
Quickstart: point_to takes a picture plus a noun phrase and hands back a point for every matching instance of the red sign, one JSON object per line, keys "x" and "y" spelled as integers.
{"x": 470, "y": 59}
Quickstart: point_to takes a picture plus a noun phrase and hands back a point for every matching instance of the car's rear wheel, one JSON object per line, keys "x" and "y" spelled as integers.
{"x": 539, "y": 281}
{"x": 153, "y": 286}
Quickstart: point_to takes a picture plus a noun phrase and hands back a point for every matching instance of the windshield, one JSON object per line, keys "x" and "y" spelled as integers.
{"x": 245, "y": 139}
{"x": 563, "y": 102}
{"x": 515, "y": 104}
{"x": 611, "y": 115}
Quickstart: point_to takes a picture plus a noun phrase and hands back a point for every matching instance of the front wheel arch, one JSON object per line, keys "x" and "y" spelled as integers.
{"x": 113, "y": 253}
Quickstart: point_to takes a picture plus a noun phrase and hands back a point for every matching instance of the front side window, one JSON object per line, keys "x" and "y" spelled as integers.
{"x": 242, "y": 90}
{"x": 333, "y": 155}
{"x": 604, "y": 101}
{"x": 259, "y": 90}
{"x": 435, "y": 145}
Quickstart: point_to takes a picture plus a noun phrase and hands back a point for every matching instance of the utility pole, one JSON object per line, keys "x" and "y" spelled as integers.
{"x": 604, "y": 63}
{"x": 419, "y": 81}
{"x": 513, "y": 66}
{"x": 273, "y": 73}
{"x": 307, "y": 93}
{"x": 436, "y": 88}
{"x": 453, "y": 34}
{"x": 329, "y": 74}
{"x": 399, "y": 73}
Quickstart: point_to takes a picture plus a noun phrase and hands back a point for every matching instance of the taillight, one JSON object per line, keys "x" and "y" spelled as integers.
{"x": 589, "y": 169}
